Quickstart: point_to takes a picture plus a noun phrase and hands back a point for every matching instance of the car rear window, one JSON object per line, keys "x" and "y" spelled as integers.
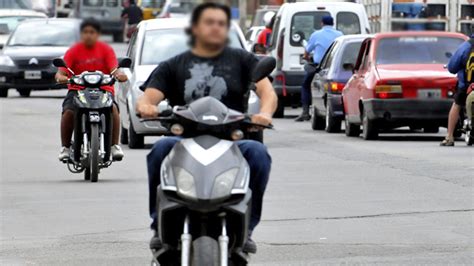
{"x": 348, "y": 23}
{"x": 416, "y": 50}
{"x": 160, "y": 45}
{"x": 306, "y": 23}
{"x": 52, "y": 34}
{"x": 350, "y": 53}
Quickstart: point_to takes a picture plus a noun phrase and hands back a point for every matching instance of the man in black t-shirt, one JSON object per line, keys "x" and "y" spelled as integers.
{"x": 133, "y": 13}
{"x": 210, "y": 68}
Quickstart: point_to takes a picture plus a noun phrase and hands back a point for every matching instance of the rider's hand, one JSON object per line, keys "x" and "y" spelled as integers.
{"x": 62, "y": 80}
{"x": 121, "y": 77}
{"x": 263, "y": 119}
{"x": 147, "y": 110}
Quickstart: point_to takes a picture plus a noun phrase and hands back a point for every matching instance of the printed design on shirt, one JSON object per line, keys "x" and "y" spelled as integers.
{"x": 202, "y": 83}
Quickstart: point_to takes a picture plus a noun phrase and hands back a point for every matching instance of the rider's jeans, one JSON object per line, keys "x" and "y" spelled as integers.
{"x": 254, "y": 152}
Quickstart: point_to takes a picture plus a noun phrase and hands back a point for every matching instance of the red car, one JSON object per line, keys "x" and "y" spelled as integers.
{"x": 400, "y": 80}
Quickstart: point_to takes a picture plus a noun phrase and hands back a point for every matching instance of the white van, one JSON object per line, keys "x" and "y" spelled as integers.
{"x": 305, "y": 17}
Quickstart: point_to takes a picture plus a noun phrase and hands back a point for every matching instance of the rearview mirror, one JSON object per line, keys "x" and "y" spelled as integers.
{"x": 124, "y": 62}
{"x": 263, "y": 68}
{"x": 348, "y": 67}
{"x": 59, "y": 62}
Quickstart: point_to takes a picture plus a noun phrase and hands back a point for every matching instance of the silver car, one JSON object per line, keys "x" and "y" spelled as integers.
{"x": 156, "y": 41}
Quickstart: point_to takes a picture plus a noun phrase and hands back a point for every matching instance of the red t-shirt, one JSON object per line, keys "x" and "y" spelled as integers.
{"x": 264, "y": 37}
{"x": 79, "y": 58}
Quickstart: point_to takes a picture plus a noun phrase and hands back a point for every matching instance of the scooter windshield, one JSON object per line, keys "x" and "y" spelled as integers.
{"x": 210, "y": 111}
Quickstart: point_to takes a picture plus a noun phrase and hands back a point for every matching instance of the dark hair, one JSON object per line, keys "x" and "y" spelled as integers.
{"x": 197, "y": 13}
{"x": 91, "y": 22}
{"x": 328, "y": 20}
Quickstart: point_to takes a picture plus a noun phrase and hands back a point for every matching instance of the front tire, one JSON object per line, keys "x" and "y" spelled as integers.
{"x": 24, "y": 92}
{"x": 280, "y": 111}
{"x": 369, "y": 129}
{"x": 3, "y": 92}
{"x": 135, "y": 141}
{"x": 94, "y": 153}
{"x": 333, "y": 124}
{"x": 317, "y": 122}
{"x": 351, "y": 129}
{"x": 205, "y": 252}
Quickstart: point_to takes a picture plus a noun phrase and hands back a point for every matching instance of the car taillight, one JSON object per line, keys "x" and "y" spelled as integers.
{"x": 337, "y": 86}
{"x": 281, "y": 79}
{"x": 388, "y": 91}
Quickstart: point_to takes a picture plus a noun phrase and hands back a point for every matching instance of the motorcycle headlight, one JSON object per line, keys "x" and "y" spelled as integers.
{"x": 5, "y": 60}
{"x": 185, "y": 183}
{"x": 107, "y": 80}
{"x": 224, "y": 183}
{"x": 78, "y": 80}
{"x": 92, "y": 79}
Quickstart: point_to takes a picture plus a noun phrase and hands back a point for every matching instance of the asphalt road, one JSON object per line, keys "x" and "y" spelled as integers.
{"x": 331, "y": 199}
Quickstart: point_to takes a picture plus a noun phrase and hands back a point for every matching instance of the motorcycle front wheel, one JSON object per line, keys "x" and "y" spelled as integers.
{"x": 94, "y": 153}
{"x": 205, "y": 252}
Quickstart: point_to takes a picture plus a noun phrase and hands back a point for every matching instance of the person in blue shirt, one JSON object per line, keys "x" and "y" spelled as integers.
{"x": 317, "y": 45}
{"x": 457, "y": 65}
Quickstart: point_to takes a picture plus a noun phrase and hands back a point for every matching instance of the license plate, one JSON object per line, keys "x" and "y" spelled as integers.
{"x": 429, "y": 93}
{"x": 32, "y": 74}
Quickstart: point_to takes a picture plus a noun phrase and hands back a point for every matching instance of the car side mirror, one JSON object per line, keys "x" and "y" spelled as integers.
{"x": 59, "y": 62}
{"x": 125, "y": 62}
{"x": 348, "y": 67}
{"x": 263, "y": 68}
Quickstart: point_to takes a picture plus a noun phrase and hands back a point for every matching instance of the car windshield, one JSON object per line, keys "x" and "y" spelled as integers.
{"x": 416, "y": 50}
{"x": 160, "y": 45}
{"x": 45, "y": 6}
{"x": 9, "y": 24}
{"x": 44, "y": 34}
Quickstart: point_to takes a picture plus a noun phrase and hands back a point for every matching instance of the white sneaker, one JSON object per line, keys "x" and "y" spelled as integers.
{"x": 117, "y": 153}
{"x": 64, "y": 154}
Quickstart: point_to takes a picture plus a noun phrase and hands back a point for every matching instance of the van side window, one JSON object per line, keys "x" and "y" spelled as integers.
{"x": 275, "y": 32}
{"x": 348, "y": 23}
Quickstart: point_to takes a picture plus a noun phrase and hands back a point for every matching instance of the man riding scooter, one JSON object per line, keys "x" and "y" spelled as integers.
{"x": 462, "y": 64}
{"x": 89, "y": 54}
{"x": 210, "y": 68}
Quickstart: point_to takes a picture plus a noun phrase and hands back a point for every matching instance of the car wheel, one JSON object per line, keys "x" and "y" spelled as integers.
{"x": 351, "y": 129}
{"x": 280, "y": 111}
{"x": 333, "y": 124}
{"x": 431, "y": 129}
{"x": 24, "y": 92}
{"x": 369, "y": 129}
{"x": 124, "y": 136}
{"x": 317, "y": 122}
{"x": 3, "y": 92}
{"x": 135, "y": 141}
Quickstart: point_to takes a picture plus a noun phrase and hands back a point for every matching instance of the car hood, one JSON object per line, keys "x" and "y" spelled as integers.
{"x": 425, "y": 71}
{"x": 143, "y": 72}
{"x": 35, "y": 51}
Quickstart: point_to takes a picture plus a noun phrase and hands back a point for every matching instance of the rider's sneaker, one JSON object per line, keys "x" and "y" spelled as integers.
{"x": 447, "y": 143}
{"x": 64, "y": 154}
{"x": 155, "y": 241}
{"x": 250, "y": 246}
{"x": 117, "y": 153}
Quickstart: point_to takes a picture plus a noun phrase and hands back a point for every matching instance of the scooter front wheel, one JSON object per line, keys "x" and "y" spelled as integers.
{"x": 205, "y": 252}
{"x": 94, "y": 153}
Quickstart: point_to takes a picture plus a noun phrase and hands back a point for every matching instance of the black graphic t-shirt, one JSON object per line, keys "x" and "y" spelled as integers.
{"x": 187, "y": 77}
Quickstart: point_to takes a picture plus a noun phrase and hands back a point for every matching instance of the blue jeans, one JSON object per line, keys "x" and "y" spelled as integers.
{"x": 254, "y": 152}
{"x": 306, "y": 97}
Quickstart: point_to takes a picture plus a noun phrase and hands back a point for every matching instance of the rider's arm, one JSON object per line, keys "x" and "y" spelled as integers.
{"x": 147, "y": 103}
{"x": 61, "y": 77}
{"x": 268, "y": 102}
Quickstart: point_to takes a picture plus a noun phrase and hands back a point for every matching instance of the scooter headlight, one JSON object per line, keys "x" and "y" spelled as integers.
{"x": 93, "y": 79}
{"x": 185, "y": 183}
{"x": 224, "y": 183}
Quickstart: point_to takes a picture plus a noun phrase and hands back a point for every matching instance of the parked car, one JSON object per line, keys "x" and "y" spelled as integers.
{"x": 107, "y": 12}
{"x": 251, "y": 37}
{"x": 155, "y": 41}
{"x": 400, "y": 80}
{"x": 328, "y": 83}
{"x": 26, "y": 62}
{"x": 305, "y": 17}
{"x": 10, "y": 18}
{"x": 257, "y": 20}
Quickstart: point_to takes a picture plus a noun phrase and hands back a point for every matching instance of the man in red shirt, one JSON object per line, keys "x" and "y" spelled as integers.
{"x": 89, "y": 54}
{"x": 263, "y": 40}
